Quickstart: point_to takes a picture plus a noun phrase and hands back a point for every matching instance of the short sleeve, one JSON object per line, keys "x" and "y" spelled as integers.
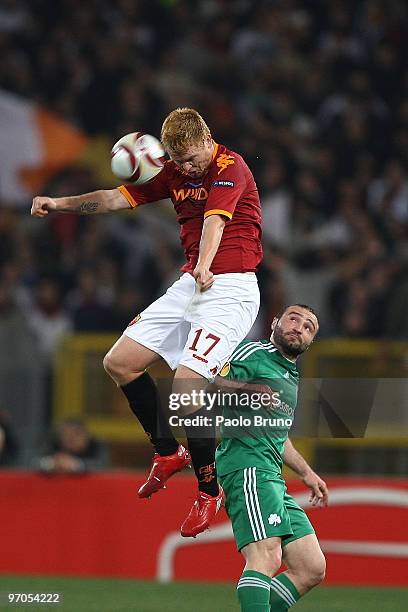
{"x": 243, "y": 368}
{"x": 227, "y": 186}
{"x": 154, "y": 190}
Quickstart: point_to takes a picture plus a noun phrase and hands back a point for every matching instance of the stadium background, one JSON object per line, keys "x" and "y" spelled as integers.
{"x": 314, "y": 96}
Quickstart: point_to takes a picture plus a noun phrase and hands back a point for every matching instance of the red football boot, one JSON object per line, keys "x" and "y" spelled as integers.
{"x": 202, "y": 513}
{"x": 162, "y": 469}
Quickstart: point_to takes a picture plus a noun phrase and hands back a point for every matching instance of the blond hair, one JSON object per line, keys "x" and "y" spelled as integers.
{"x": 182, "y": 128}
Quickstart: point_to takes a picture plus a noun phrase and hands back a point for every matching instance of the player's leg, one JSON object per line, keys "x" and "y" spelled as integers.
{"x": 262, "y": 560}
{"x": 127, "y": 360}
{"x": 201, "y": 440}
{"x": 306, "y": 569}
{"x": 221, "y": 318}
{"x": 126, "y": 364}
{"x": 302, "y": 556}
{"x": 156, "y": 333}
{"x": 254, "y": 502}
{"x": 305, "y": 562}
{"x": 201, "y": 445}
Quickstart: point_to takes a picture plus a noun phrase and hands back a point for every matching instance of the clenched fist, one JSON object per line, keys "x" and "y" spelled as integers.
{"x": 42, "y": 205}
{"x": 204, "y": 278}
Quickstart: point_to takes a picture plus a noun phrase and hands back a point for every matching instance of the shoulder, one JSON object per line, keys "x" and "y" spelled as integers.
{"x": 247, "y": 360}
{"x": 226, "y": 158}
{"x": 277, "y": 365}
{"x": 242, "y": 358}
{"x": 252, "y": 350}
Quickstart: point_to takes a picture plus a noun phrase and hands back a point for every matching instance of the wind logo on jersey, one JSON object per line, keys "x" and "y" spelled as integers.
{"x": 225, "y": 369}
{"x": 192, "y": 193}
{"x": 274, "y": 519}
{"x": 223, "y": 161}
{"x": 223, "y": 184}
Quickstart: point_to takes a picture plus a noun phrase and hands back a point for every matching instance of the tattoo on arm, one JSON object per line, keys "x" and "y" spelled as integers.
{"x": 87, "y": 208}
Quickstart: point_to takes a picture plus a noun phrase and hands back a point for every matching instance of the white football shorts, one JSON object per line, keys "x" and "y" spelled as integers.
{"x": 199, "y": 330}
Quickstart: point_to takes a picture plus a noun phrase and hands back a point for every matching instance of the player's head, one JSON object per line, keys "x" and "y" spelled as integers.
{"x": 294, "y": 330}
{"x": 187, "y": 139}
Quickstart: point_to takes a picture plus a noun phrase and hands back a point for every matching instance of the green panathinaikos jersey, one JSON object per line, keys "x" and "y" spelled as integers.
{"x": 255, "y": 437}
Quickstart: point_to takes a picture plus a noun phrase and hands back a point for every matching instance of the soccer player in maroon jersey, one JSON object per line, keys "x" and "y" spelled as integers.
{"x": 198, "y": 322}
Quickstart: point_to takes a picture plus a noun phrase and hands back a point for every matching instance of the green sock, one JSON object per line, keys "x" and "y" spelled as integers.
{"x": 253, "y": 591}
{"x": 283, "y": 594}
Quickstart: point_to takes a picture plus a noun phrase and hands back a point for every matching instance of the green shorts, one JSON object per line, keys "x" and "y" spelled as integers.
{"x": 259, "y": 508}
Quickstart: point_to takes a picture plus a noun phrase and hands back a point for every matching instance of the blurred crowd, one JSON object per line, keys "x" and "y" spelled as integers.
{"x": 71, "y": 449}
{"x": 314, "y": 95}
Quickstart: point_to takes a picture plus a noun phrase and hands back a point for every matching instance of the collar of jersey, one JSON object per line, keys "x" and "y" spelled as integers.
{"x": 292, "y": 363}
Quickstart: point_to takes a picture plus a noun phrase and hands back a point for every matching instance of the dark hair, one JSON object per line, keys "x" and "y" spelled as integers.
{"x": 305, "y": 306}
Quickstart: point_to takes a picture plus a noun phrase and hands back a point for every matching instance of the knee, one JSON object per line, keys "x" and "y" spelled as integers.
{"x": 272, "y": 556}
{"x": 114, "y": 366}
{"x": 274, "y": 559}
{"x": 315, "y": 572}
{"x": 266, "y": 558}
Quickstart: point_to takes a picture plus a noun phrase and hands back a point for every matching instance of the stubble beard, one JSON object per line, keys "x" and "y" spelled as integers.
{"x": 291, "y": 349}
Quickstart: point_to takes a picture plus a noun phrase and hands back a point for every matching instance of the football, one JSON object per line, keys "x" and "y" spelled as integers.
{"x": 137, "y": 157}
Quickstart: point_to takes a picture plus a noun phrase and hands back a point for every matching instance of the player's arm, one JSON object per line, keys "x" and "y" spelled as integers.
{"x": 211, "y": 235}
{"x": 242, "y": 385}
{"x": 293, "y": 459}
{"x": 242, "y": 377}
{"x": 102, "y": 201}
{"x": 221, "y": 202}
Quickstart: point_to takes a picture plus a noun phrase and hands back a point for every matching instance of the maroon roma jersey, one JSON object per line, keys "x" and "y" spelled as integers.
{"x": 227, "y": 189}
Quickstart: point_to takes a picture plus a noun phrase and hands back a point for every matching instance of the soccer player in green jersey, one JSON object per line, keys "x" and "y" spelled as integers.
{"x": 269, "y": 526}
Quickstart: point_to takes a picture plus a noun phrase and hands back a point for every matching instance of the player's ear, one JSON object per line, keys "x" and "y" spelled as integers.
{"x": 274, "y": 322}
{"x": 312, "y": 341}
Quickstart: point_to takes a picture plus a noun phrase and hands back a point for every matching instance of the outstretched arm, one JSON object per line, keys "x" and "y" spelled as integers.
{"x": 211, "y": 235}
{"x": 102, "y": 201}
{"x": 293, "y": 459}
